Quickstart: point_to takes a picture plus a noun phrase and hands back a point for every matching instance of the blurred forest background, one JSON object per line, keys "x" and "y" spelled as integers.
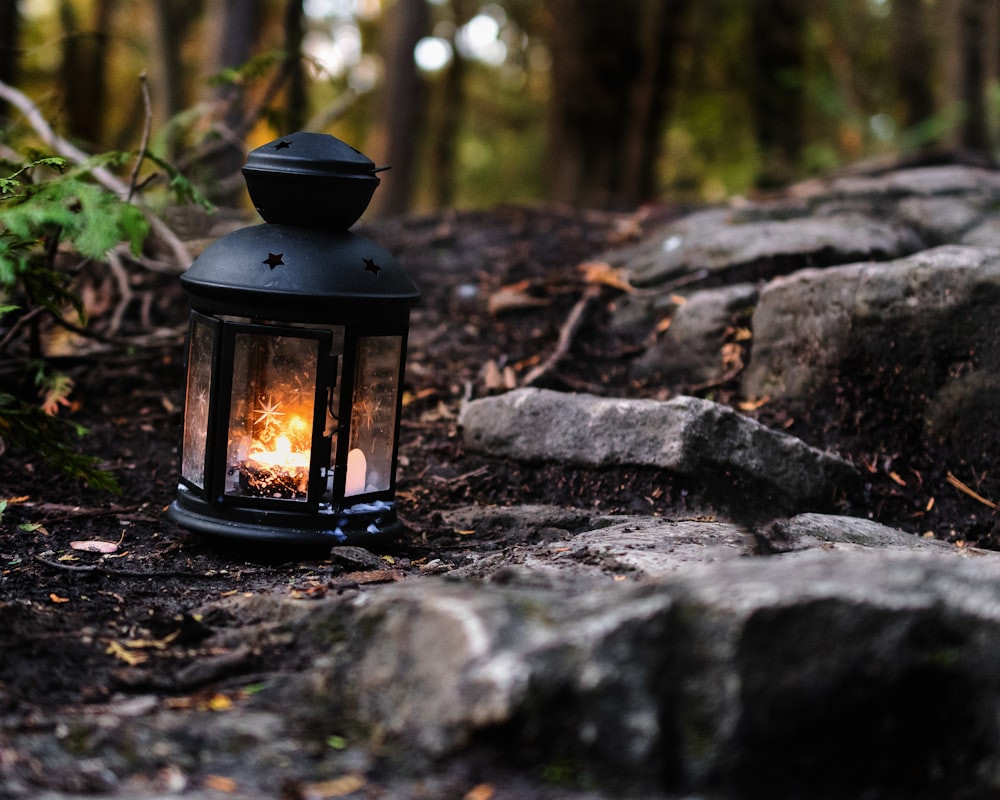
{"x": 473, "y": 103}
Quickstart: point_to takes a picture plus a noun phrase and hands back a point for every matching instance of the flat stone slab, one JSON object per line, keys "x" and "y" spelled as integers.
{"x": 774, "y": 247}
{"x": 686, "y": 435}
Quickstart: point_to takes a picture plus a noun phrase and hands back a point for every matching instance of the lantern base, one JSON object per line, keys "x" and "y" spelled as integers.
{"x": 369, "y": 525}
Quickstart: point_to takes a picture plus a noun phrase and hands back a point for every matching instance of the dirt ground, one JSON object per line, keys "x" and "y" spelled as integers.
{"x": 78, "y": 627}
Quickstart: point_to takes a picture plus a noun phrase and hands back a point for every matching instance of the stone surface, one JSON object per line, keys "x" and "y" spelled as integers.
{"x": 693, "y": 349}
{"x": 685, "y": 435}
{"x": 937, "y": 304}
{"x": 764, "y": 249}
{"x": 692, "y": 682}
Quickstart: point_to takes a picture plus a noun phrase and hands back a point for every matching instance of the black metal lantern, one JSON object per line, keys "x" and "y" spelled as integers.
{"x": 296, "y": 349}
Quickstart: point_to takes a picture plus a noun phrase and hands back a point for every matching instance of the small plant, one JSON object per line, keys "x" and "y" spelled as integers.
{"x": 46, "y": 206}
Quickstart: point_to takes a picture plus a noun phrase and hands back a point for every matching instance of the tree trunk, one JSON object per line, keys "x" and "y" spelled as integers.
{"x": 236, "y": 25}
{"x": 610, "y": 73}
{"x": 973, "y": 26}
{"x": 167, "y": 68}
{"x": 913, "y": 56}
{"x": 400, "y": 104}
{"x": 778, "y": 44}
{"x": 82, "y": 70}
{"x": 297, "y": 104}
{"x": 449, "y": 109}
{"x": 10, "y": 27}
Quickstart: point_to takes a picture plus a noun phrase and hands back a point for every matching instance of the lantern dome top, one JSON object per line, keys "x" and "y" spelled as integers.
{"x": 310, "y": 180}
{"x": 287, "y": 273}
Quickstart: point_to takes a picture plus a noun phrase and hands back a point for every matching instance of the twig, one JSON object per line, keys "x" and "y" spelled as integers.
{"x": 715, "y": 383}
{"x": 566, "y": 335}
{"x": 969, "y": 491}
{"x": 124, "y": 289}
{"x": 103, "y": 176}
{"x": 144, "y": 144}
{"x": 120, "y": 573}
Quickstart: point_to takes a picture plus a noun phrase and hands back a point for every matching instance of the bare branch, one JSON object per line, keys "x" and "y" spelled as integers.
{"x": 103, "y": 176}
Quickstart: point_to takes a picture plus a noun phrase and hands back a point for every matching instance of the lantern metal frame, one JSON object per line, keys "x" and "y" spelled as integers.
{"x": 309, "y": 282}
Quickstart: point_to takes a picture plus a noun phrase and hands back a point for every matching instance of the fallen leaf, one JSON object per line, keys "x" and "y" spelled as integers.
{"x": 154, "y": 644}
{"x": 94, "y": 546}
{"x": 895, "y": 476}
{"x": 33, "y": 527}
{"x": 482, "y": 791}
{"x": 57, "y": 599}
{"x": 220, "y": 783}
{"x": 130, "y": 657}
{"x": 753, "y": 405}
{"x": 373, "y": 576}
{"x": 335, "y": 787}
{"x": 513, "y": 298}
{"x": 219, "y": 702}
{"x": 603, "y": 274}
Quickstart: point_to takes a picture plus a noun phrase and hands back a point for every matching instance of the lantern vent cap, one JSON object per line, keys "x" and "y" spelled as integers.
{"x": 311, "y": 180}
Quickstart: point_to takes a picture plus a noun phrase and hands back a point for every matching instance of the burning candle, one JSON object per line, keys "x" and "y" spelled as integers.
{"x": 279, "y": 472}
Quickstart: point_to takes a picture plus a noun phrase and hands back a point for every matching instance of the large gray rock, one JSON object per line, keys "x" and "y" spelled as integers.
{"x": 820, "y": 674}
{"x": 685, "y": 435}
{"x": 761, "y": 249}
{"x": 923, "y": 312}
{"x": 692, "y": 349}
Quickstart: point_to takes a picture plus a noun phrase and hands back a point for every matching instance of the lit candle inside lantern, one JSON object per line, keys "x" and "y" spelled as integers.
{"x": 282, "y": 456}
{"x": 357, "y": 472}
{"x": 281, "y": 470}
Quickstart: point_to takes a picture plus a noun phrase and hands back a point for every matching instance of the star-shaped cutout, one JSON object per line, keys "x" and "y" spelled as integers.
{"x": 282, "y": 145}
{"x": 273, "y": 260}
{"x": 372, "y": 267}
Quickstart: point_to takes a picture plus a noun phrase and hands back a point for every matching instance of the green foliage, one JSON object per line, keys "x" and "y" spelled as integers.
{"x": 26, "y": 426}
{"x": 45, "y": 203}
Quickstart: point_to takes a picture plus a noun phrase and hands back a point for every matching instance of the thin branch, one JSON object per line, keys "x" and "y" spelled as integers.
{"x": 103, "y": 176}
{"x": 144, "y": 145}
{"x": 566, "y": 335}
{"x": 950, "y": 477}
{"x": 119, "y": 573}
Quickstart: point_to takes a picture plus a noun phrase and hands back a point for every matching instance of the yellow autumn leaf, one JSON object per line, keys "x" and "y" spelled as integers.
{"x": 219, "y": 702}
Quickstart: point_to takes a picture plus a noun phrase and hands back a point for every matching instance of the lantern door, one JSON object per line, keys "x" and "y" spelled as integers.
{"x": 259, "y": 421}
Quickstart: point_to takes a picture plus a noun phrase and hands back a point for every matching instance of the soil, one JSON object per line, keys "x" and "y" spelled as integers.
{"x": 77, "y": 628}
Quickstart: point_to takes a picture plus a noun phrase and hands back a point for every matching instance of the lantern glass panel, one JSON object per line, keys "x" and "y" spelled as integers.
{"x": 271, "y": 416}
{"x": 201, "y": 344}
{"x": 373, "y": 415}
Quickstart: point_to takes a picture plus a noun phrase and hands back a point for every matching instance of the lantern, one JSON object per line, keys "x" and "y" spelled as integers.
{"x": 295, "y": 356}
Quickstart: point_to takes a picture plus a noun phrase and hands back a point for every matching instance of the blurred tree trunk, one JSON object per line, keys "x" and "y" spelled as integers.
{"x": 10, "y": 28}
{"x": 612, "y": 70}
{"x": 297, "y": 104}
{"x": 400, "y": 104}
{"x": 913, "y": 57}
{"x": 973, "y": 79}
{"x": 235, "y": 26}
{"x": 167, "y": 92}
{"x": 449, "y": 110}
{"x": 82, "y": 77}
{"x": 778, "y": 44}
